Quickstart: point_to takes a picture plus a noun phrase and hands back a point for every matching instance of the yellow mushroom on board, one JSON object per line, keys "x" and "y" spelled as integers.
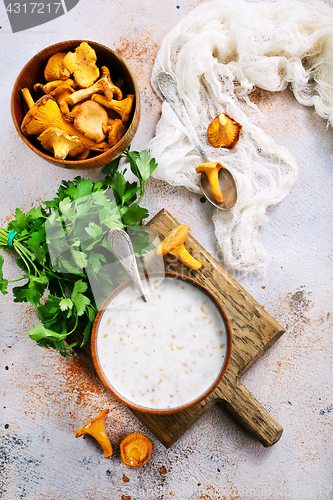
{"x": 185, "y": 257}
{"x": 96, "y": 429}
{"x": 173, "y": 243}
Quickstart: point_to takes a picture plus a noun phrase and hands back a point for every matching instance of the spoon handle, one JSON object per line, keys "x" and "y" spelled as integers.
{"x": 168, "y": 88}
{"x": 121, "y": 245}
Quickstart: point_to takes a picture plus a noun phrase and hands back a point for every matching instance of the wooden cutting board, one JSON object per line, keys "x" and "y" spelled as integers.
{"x": 253, "y": 332}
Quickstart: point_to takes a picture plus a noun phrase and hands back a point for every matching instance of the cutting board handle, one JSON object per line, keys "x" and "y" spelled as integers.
{"x": 255, "y": 418}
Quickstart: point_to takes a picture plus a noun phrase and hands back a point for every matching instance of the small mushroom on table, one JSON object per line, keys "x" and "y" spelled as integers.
{"x": 96, "y": 429}
{"x": 135, "y": 449}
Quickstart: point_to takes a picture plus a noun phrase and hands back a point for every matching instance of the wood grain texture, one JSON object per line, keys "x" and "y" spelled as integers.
{"x": 253, "y": 332}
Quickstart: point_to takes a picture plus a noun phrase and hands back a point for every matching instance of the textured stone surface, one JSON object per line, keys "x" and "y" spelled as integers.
{"x": 44, "y": 398}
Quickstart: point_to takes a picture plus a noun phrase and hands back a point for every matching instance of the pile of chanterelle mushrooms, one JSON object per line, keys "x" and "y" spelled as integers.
{"x": 81, "y": 110}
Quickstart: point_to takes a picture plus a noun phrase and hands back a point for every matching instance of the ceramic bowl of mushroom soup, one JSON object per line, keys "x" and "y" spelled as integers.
{"x": 164, "y": 355}
{"x": 76, "y": 104}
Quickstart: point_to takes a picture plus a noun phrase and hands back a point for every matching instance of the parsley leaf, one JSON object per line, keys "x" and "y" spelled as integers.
{"x": 80, "y": 300}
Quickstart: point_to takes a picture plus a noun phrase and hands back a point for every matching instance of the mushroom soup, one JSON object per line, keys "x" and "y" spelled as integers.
{"x": 163, "y": 353}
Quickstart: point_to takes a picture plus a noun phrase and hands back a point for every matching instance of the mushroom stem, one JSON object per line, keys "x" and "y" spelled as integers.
{"x": 27, "y": 97}
{"x": 103, "y": 85}
{"x": 123, "y": 107}
{"x": 134, "y": 456}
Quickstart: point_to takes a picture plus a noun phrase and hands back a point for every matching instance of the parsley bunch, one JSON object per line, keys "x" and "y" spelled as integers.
{"x": 63, "y": 241}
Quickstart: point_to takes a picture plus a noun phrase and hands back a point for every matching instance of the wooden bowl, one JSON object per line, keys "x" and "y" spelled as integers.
{"x": 107, "y": 383}
{"x": 33, "y": 72}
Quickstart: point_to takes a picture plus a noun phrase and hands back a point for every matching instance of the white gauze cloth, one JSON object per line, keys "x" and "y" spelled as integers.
{"x": 218, "y": 54}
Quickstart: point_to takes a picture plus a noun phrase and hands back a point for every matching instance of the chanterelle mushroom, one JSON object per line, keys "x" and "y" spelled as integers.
{"x": 46, "y": 113}
{"x": 96, "y": 429}
{"x": 135, "y": 449}
{"x": 223, "y": 132}
{"x": 91, "y": 118}
{"x": 82, "y": 64}
{"x": 50, "y": 86}
{"x": 27, "y": 97}
{"x": 123, "y": 107}
{"x": 55, "y": 69}
{"x": 212, "y": 172}
{"x": 175, "y": 238}
{"x": 103, "y": 85}
{"x": 60, "y": 94}
{"x": 60, "y": 143}
{"x": 174, "y": 243}
{"x": 116, "y": 131}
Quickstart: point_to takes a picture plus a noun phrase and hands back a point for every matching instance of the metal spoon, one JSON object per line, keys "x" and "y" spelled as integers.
{"x": 228, "y": 187}
{"x": 121, "y": 245}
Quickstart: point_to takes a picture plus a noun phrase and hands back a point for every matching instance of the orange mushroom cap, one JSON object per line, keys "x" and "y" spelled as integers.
{"x": 135, "y": 449}
{"x": 224, "y": 132}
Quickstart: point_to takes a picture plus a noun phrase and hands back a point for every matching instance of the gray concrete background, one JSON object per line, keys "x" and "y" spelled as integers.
{"x": 46, "y": 398}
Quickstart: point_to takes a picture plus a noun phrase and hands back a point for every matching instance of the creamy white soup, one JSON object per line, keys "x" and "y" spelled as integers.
{"x": 165, "y": 352}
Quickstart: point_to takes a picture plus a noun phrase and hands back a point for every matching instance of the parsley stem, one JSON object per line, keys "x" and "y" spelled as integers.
{"x": 142, "y": 191}
{"x": 24, "y": 252}
{"x": 18, "y": 279}
{"x": 76, "y": 323}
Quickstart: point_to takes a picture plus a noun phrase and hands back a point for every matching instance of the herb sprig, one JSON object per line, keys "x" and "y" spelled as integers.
{"x": 61, "y": 242}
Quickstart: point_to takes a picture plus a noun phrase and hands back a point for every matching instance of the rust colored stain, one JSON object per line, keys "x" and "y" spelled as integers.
{"x": 143, "y": 50}
{"x": 162, "y": 470}
{"x": 259, "y": 96}
{"x": 126, "y": 479}
{"x": 125, "y": 497}
{"x": 213, "y": 494}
